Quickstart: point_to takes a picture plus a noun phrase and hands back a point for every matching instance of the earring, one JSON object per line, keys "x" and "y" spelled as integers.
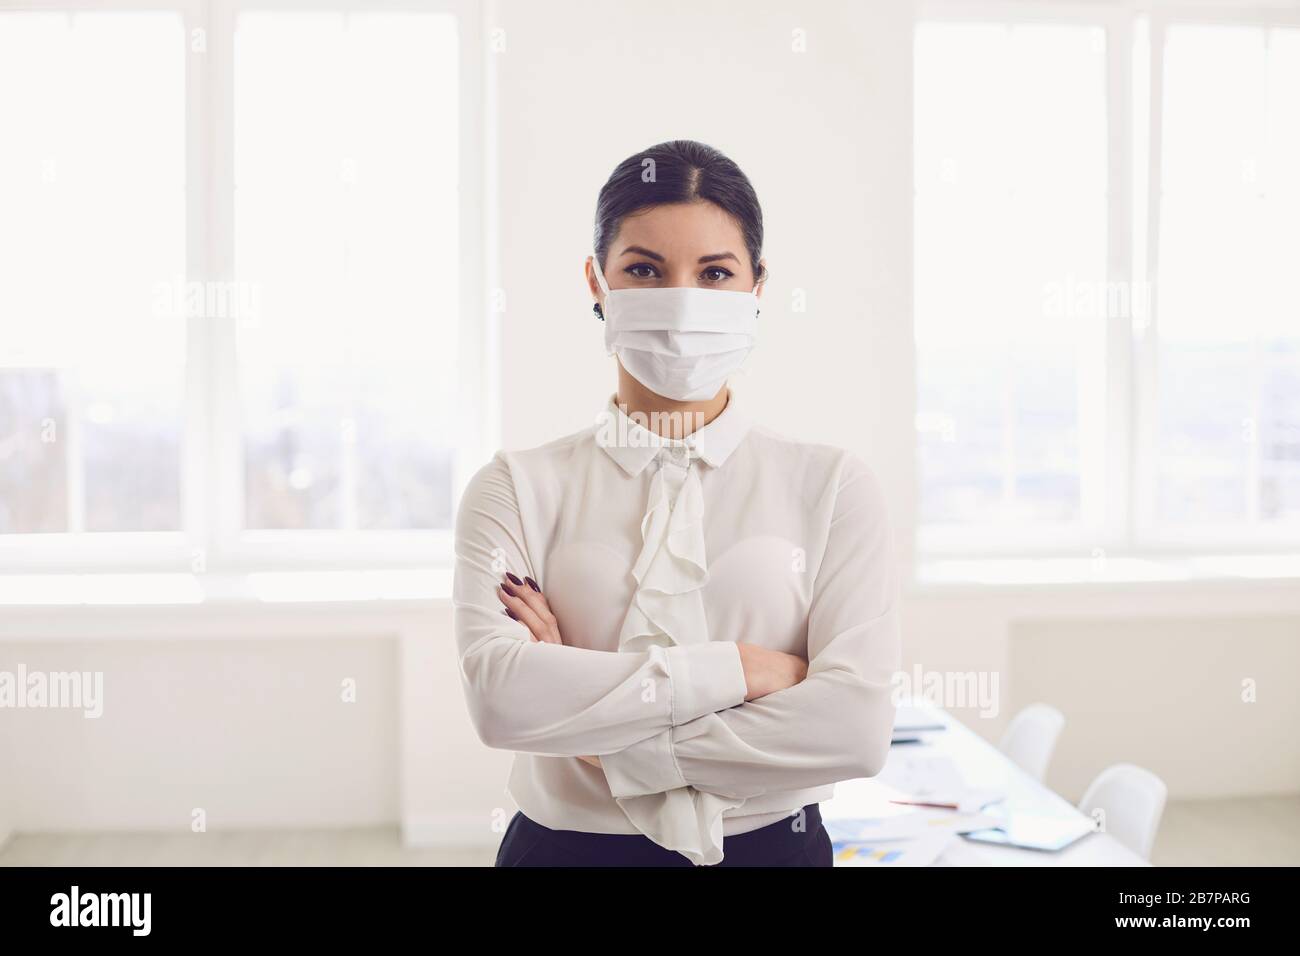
{"x": 595, "y": 307}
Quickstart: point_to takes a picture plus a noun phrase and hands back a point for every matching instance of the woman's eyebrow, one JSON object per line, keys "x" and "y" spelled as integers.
{"x": 718, "y": 256}
{"x": 642, "y": 251}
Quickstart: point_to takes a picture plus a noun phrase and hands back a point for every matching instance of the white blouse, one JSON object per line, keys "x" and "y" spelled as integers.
{"x": 656, "y": 557}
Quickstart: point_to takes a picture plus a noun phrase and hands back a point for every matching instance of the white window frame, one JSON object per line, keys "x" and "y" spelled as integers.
{"x": 1102, "y": 533}
{"x": 212, "y": 537}
{"x": 1128, "y": 527}
{"x": 1235, "y": 536}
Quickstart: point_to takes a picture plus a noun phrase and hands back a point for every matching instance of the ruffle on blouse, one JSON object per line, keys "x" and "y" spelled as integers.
{"x": 668, "y": 609}
{"x": 686, "y": 820}
{"x": 672, "y": 569}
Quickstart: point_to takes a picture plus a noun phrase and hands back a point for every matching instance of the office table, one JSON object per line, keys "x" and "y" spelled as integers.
{"x": 983, "y": 766}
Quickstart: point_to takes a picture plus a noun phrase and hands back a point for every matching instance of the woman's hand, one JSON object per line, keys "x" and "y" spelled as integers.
{"x": 767, "y": 671}
{"x": 526, "y": 603}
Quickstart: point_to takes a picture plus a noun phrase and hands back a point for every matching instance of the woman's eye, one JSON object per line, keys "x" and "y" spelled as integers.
{"x": 641, "y": 270}
{"x": 716, "y": 274}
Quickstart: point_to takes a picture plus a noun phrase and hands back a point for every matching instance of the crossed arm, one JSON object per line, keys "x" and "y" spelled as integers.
{"x": 683, "y": 716}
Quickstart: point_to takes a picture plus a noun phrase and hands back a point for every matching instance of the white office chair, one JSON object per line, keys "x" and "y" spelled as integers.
{"x": 1031, "y": 737}
{"x": 1132, "y": 800}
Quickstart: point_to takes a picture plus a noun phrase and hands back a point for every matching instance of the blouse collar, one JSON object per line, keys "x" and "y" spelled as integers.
{"x": 633, "y": 446}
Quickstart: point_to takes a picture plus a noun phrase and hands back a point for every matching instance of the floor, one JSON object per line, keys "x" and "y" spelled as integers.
{"x": 361, "y": 847}
{"x": 1260, "y": 831}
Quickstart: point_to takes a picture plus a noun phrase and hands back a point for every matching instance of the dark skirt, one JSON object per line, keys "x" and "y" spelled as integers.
{"x": 783, "y": 843}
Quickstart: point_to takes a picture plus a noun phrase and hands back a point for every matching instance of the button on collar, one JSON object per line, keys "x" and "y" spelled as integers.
{"x": 675, "y": 454}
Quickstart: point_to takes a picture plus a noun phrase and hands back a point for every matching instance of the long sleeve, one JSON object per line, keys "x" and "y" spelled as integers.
{"x": 552, "y": 699}
{"x": 835, "y": 725}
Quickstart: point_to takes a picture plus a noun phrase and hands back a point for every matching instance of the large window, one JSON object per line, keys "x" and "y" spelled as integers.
{"x": 1225, "y": 404}
{"x": 1010, "y": 198}
{"x": 239, "y": 292}
{"x": 1108, "y": 335}
{"x": 92, "y": 216}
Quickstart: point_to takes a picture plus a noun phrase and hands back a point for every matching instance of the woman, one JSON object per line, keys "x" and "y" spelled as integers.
{"x": 684, "y": 625}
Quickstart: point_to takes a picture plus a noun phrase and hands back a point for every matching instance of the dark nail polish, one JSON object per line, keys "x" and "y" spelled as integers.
{"x": 533, "y": 584}
{"x": 514, "y": 579}
{"x": 509, "y": 590}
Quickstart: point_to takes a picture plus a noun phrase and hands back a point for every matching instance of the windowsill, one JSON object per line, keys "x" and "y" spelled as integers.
{"x": 965, "y": 574}
{"x": 297, "y": 588}
{"x": 426, "y": 586}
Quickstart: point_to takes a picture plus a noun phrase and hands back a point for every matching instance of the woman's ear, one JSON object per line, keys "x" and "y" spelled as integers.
{"x": 761, "y": 281}
{"x": 592, "y": 285}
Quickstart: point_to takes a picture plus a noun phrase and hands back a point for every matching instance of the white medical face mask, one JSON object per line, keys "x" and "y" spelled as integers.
{"x": 680, "y": 343}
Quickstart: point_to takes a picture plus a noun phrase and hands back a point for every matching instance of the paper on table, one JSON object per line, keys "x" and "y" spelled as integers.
{"x": 934, "y": 778}
{"x": 909, "y": 719}
{"x": 922, "y": 851}
{"x": 961, "y": 853}
{"x": 960, "y": 801}
{"x": 905, "y": 826}
{"x": 920, "y": 772}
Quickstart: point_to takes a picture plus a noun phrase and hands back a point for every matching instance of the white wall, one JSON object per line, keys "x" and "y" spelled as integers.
{"x": 240, "y": 711}
{"x": 252, "y": 732}
{"x": 6, "y": 788}
{"x": 1169, "y": 694}
{"x": 1146, "y": 674}
{"x": 247, "y": 723}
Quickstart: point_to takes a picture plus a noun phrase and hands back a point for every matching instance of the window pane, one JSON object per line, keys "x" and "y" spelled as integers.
{"x": 347, "y": 243}
{"x": 33, "y": 479}
{"x": 92, "y": 235}
{"x": 1010, "y": 269}
{"x": 1228, "y": 433}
